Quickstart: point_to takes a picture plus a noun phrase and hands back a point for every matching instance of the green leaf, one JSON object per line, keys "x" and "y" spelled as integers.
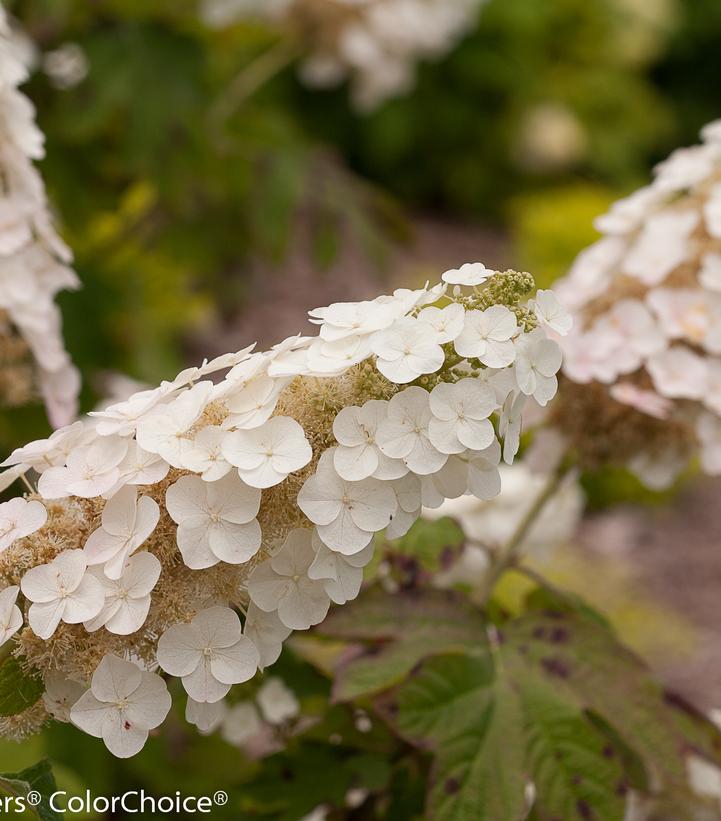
{"x": 583, "y": 661}
{"x": 18, "y": 690}
{"x": 429, "y": 542}
{"x": 39, "y": 779}
{"x": 407, "y": 627}
{"x": 474, "y": 724}
{"x": 576, "y": 771}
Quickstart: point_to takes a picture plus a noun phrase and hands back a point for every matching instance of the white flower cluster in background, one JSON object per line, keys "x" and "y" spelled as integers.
{"x": 34, "y": 261}
{"x": 489, "y": 524}
{"x": 255, "y": 726}
{"x": 376, "y": 44}
{"x": 192, "y": 527}
{"x": 647, "y": 303}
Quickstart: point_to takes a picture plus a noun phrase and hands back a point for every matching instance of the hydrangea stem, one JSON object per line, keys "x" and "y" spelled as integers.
{"x": 509, "y": 553}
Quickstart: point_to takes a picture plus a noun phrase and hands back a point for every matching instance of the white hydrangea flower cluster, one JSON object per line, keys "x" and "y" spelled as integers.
{"x": 647, "y": 302}
{"x": 192, "y": 527}
{"x": 34, "y": 261}
{"x": 374, "y": 43}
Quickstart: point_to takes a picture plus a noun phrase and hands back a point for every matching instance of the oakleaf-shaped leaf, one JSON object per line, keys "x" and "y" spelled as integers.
{"x": 406, "y": 628}
{"x": 474, "y": 725}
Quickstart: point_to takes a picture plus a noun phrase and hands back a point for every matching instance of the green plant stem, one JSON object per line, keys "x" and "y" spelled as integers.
{"x": 249, "y": 80}
{"x": 508, "y": 556}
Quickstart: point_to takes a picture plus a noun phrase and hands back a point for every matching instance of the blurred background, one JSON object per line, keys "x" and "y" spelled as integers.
{"x": 212, "y": 195}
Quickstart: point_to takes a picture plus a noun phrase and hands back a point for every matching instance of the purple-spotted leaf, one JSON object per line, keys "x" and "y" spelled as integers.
{"x": 392, "y": 634}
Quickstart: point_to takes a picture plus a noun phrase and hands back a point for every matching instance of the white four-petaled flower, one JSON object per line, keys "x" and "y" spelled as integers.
{"x": 470, "y": 273}
{"x": 551, "y": 313}
{"x": 460, "y": 416}
{"x": 358, "y": 455}
{"x": 404, "y": 433}
{"x": 346, "y": 514}
{"x": 89, "y": 471}
{"x": 282, "y": 584}
{"x": 488, "y": 336}
{"x": 216, "y": 520}
{"x": 537, "y": 363}
{"x": 265, "y": 455}
{"x": 407, "y": 350}
{"x": 209, "y": 654}
{"x": 126, "y": 523}
{"x": 19, "y": 518}
{"x": 61, "y": 590}
{"x": 122, "y": 705}
{"x": 127, "y": 599}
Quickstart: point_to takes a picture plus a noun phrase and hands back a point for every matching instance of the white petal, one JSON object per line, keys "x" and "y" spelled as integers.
{"x": 150, "y": 703}
{"x": 180, "y": 649}
{"x": 237, "y": 663}
{"x": 203, "y": 686}
{"x": 115, "y": 679}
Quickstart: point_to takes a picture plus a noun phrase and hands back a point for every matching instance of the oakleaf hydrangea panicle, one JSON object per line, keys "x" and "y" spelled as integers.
{"x": 186, "y": 531}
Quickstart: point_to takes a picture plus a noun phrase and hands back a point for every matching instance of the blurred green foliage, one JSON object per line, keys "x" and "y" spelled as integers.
{"x": 187, "y": 153}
